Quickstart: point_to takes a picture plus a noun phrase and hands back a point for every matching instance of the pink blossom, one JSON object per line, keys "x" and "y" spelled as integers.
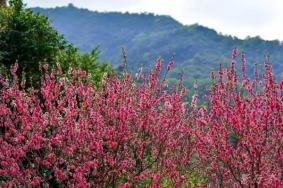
{"x": 15, "y": 68}
{"x": 234, "y": 53}
{"x": 14, "y": 169}
{"x": 36, "y": 181}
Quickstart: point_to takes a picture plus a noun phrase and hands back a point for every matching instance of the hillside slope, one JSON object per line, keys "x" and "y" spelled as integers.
{"x": 196, "y": 49}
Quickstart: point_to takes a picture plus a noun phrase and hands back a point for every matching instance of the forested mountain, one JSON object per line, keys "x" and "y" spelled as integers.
{"x": 196, "y": 49}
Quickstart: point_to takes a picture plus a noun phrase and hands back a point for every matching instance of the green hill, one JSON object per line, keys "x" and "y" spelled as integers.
{"x": 196, "y": 49}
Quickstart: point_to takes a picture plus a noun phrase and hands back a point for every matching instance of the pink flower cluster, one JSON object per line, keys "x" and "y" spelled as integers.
{"x": 240, "y": 135}
{"x": 136, "y": 131}
{"x": 72, "y": 135}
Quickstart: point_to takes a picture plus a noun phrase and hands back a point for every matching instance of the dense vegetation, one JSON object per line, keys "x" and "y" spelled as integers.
{"x": 74, "y": 126}
{"x": 135, "y": 131}
{"x": 30, "y": 40}
{"x": 196, "y": 49}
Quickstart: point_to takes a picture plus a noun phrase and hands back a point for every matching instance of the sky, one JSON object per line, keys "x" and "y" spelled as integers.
{"x": 239, "y": 18}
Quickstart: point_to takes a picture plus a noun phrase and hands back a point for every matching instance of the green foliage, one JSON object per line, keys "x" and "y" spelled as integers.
{"x": 147, "y": 36}
{"x": 196, "y": 179}
{"x": 95, "y": 67}
{"x": 90, "y": 62}
{"x": 27, "y": 38}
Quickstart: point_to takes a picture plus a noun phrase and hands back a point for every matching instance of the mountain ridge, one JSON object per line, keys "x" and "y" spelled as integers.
{"x": 145, "y": 37}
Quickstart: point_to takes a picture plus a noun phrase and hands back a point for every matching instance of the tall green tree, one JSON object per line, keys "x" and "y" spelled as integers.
{"x": 28, "y": 39}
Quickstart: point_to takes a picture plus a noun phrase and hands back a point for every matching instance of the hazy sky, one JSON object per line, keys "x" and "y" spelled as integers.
{"x": 234, "y": 17}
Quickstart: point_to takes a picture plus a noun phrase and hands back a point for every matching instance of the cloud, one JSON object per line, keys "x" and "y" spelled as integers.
{"x": 252, "y": 12}
{"x": 239, "y": 17}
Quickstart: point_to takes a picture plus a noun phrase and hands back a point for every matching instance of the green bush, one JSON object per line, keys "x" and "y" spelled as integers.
{"x": 27, "y": 38}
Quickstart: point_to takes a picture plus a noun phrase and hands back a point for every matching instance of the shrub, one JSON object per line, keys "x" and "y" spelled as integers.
{"x": 27, "y": 38}
{"x": 135, "y": 131}
{"x": 239, "y": 136}
{"x": 124, "y": 134}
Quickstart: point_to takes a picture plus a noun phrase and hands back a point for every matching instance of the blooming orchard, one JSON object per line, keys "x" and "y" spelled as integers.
{"x": 70, "y": 135}
{"x": 240, "y": 137}
{"x": 137, "y": 131}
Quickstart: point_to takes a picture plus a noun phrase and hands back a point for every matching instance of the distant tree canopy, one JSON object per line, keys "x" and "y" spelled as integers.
{"x": 28, "y": 39}
{"x": 196, "y": 49}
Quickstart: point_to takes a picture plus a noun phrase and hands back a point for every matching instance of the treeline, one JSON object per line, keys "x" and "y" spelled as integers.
{"x": 27, "y": 38}
{"x": 196, "y": 49}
